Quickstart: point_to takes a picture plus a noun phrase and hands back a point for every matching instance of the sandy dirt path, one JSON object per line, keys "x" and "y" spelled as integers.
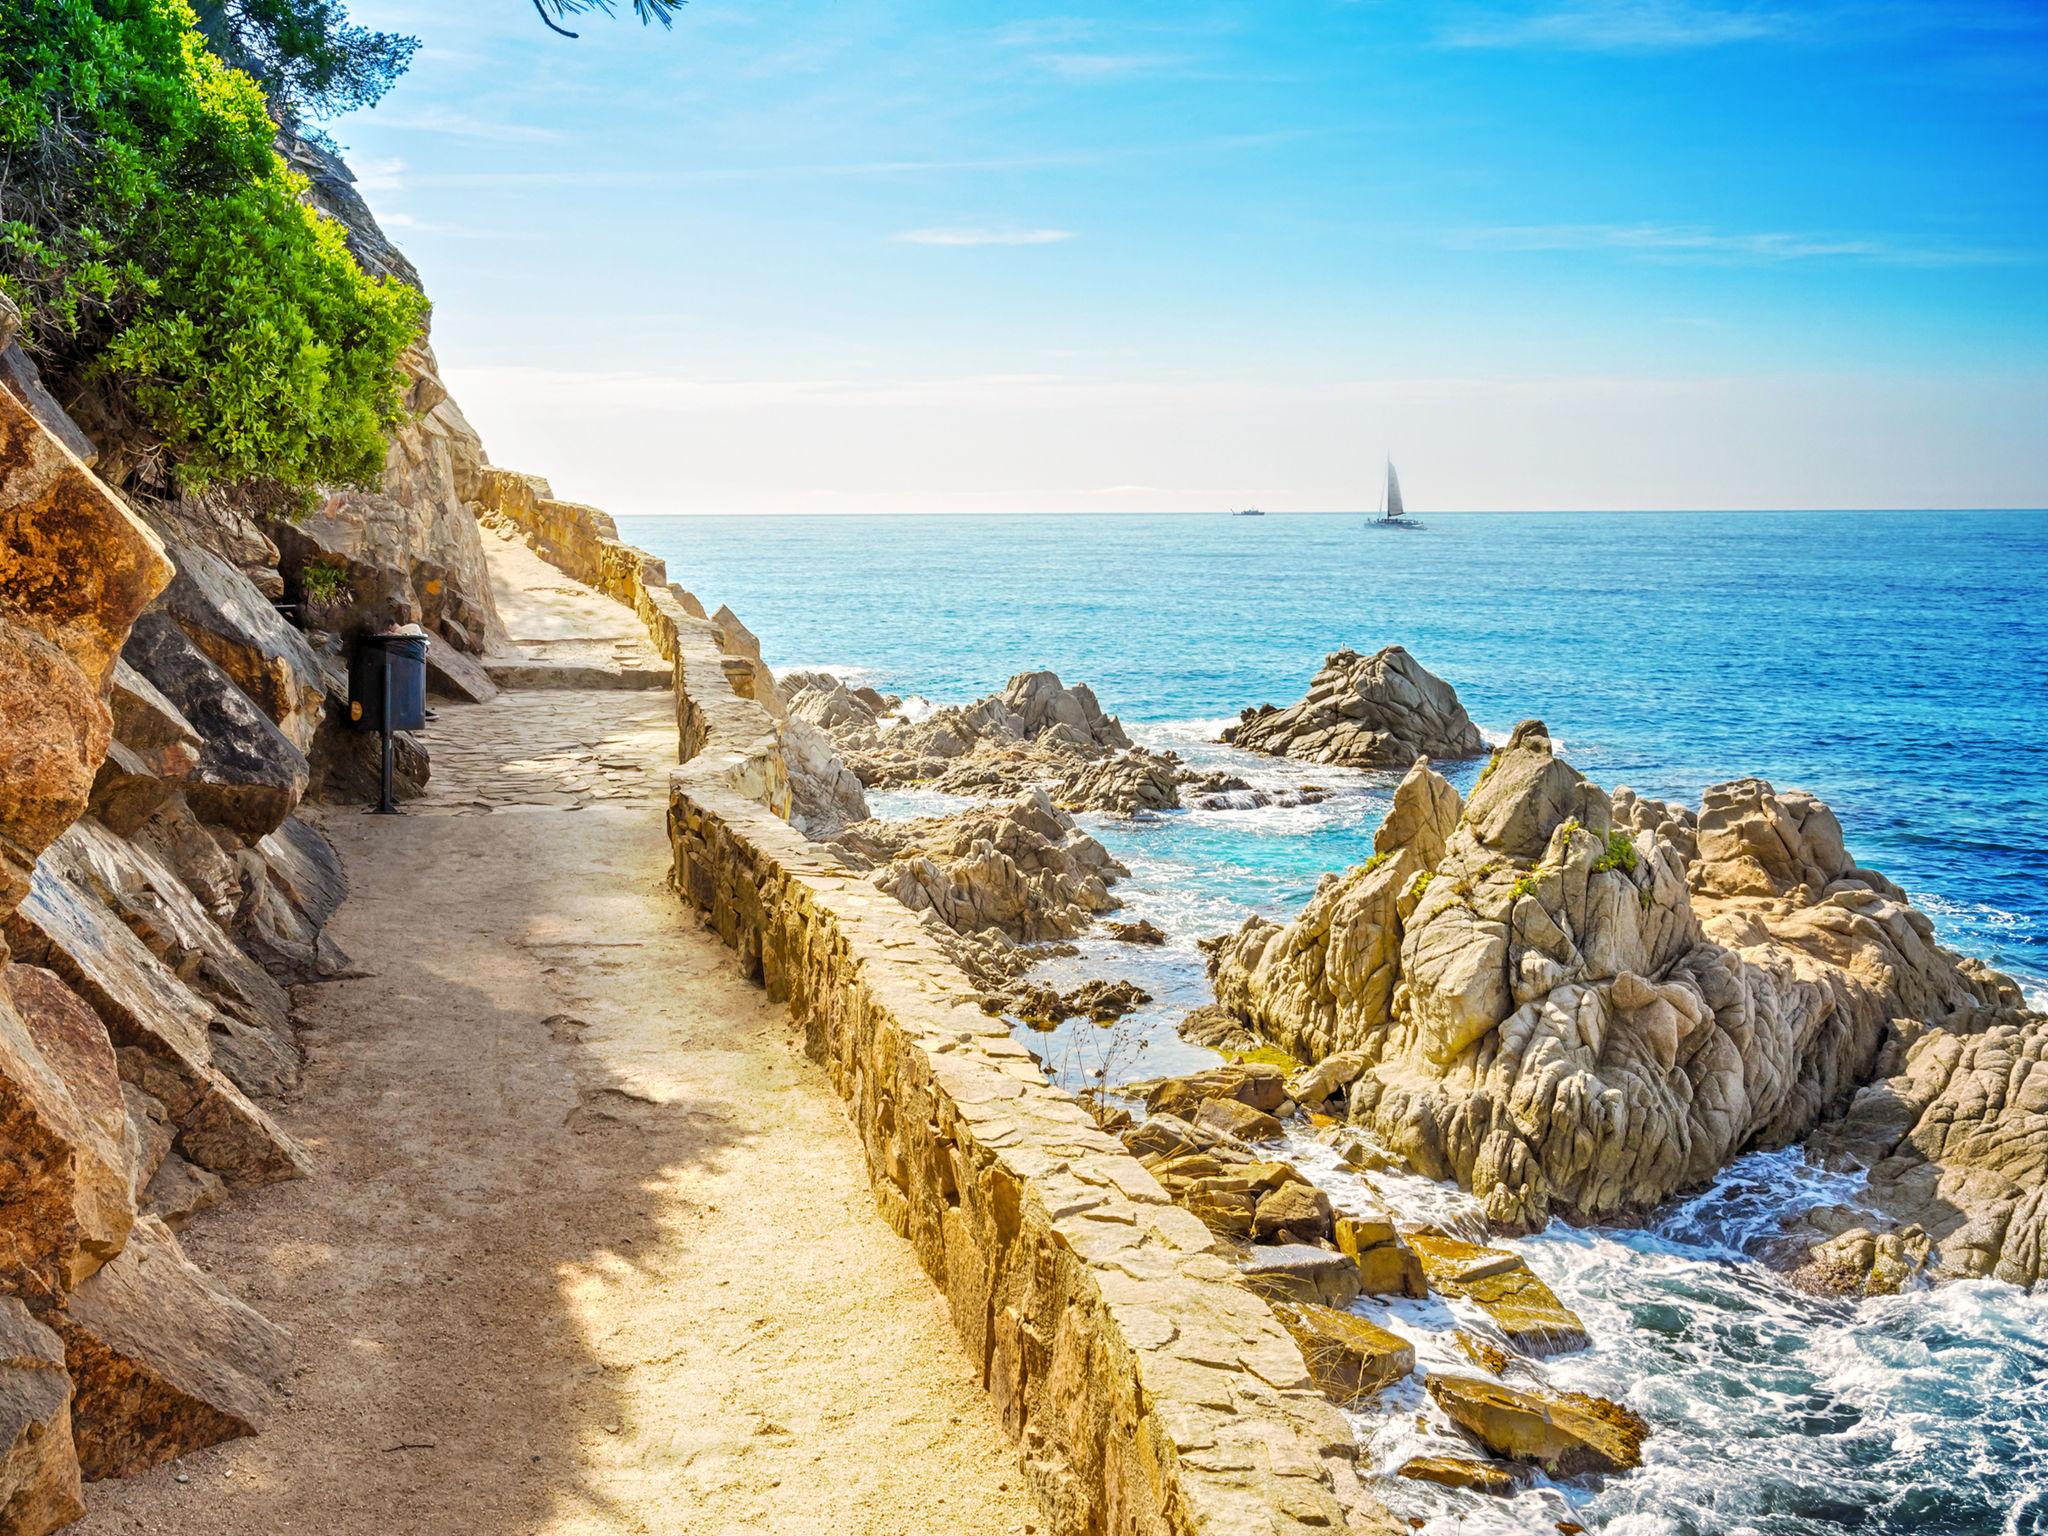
{"x": 590, "y": 1248}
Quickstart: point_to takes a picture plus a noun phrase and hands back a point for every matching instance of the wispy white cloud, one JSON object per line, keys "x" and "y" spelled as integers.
{"x": 1619, "y": 26}
{"x": 1085, "y": 65}
{"x": 466, "y": 125}
{"x": 1687, "y": 242}
{"x": 373, "y": 176}
{"x": 983, "y": 236}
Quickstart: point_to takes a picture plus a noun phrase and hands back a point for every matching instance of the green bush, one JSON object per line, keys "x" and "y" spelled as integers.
{"x": 166, "y": 265}
{"x": 1620, "y": 854}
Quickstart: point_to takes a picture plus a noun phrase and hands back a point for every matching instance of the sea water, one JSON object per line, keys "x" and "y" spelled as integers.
{"x": 1894, "y": 664}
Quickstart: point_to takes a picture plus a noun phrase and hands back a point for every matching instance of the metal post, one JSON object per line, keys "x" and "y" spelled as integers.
{"x": 387, "y": 806}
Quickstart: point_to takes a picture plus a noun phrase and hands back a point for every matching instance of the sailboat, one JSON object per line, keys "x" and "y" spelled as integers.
{"x": 1392, "y": 513}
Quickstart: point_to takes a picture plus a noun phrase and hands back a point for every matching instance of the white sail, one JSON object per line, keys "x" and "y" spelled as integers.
{"x": 1394, "y": 508}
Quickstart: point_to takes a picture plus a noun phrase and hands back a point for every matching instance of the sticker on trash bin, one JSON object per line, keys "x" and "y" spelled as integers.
{"x": 355, "y": 709}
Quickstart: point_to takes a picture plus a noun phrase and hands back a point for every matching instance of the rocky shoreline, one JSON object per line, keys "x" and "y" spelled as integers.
{"x": 1570, "y": 1003}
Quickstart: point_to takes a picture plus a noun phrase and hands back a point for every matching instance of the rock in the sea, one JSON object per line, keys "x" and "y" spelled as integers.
{"x": 1955, "y": 1139}
{"x": 1581, "y": 1006}
{"x": 1021, "y": 869}
{"x": 39, "y": 1481}
{"x": 1378, "y": 711}
{"x": 1035, "y": 734}
{"x": 1502, "y": 1285}
{"x": 1387, "y": 1266}
{"x": 1351, "y": 1359}
{"x": 1567, "y": 1434}
{"x": 1256, "y": 1084}
{"x": 162, "y": 1363}
{"x": 1324, "y": 984}
{"x": 1143, "y": 931}
{"x": 1497, "y": 1479}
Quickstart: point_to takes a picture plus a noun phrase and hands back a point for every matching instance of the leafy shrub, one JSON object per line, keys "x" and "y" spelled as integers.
{"x": 166, "y": 265}
{"x": 323, "y": 581}
{"x": 1620, "y": 854}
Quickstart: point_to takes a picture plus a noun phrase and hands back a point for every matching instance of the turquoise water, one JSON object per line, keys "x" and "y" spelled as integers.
{"x": 1896, "y": 664}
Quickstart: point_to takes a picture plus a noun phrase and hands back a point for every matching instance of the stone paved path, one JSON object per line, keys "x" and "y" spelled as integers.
{"x": 590, "y": 1249}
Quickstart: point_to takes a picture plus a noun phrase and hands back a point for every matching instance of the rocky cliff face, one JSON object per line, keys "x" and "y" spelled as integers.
{"x": 1378, "y": 711}
{"x": 162, "y": 720}
{"x": 1578, "y": 1005}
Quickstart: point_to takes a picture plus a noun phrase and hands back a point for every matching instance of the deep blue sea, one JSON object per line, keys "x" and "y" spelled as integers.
{"x": 1893, "y": 663}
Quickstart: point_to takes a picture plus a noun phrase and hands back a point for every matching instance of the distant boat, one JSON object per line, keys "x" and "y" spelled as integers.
{"x": 1392, "y": 513}
{"x": 1248, "y": 512}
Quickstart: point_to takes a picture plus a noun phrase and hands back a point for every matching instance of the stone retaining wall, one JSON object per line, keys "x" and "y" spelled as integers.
{"x": 1149, "y": 1390}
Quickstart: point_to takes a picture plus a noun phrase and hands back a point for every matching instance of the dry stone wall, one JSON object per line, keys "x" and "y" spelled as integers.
{"x": 1149, "y": 1389}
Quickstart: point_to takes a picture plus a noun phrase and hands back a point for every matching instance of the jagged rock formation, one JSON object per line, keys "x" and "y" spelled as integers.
{"x": 1580, "y": 1006}
{"x": 1036, "y": 734}
{"x": 999, "y": 886}
{"x": 1021, "y": 869}
{"x": 1378, "y": 711}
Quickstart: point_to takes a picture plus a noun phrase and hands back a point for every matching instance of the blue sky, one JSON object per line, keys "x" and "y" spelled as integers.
{"x": 875, "y": 256}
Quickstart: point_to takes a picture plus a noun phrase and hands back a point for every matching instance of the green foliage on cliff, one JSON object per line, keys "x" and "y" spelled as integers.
{"x": 166, "y": 266}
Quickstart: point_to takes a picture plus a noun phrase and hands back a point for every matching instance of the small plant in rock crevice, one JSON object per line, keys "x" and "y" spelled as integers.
{"x": 322, "y": 582}
{"x": 1621, "y": 854}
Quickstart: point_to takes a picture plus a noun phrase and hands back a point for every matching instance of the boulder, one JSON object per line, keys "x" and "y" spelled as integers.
{"x": 1143, "y": 931}
{"x": 1292, "y": 1213}
{"x": 39, "y": 1482}
{"x": 825, "y": 797}
{"x": 1567, "y": 1434}
{"x": 1378, "y": 711}
{"x": 1387, "y": 1266}
{"x": 1230, "y": 1118}
{"x": 454, "y": 675}
{"x": 76, "y": 567}
{"x": 162, "y": 1031}
{"x": 66, "y": 1175}
{"x": 1303, "y": 1275}
{"x": 1502, "y": 1285}
{"x": 1262, "y": 1087}
{"x": 1349, "y": 1358}
{"x": 1494, "y": 1478}
{"x": 154, "y": 750}
{"x": 242, "y": 634}
{"x": 250, "y": 776}
{"x": 1021, "y": 869}
{"x": 162, "y": 1362}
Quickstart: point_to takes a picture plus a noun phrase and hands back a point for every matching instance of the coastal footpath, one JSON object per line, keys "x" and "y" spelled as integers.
{"x": 446, "y": 1156}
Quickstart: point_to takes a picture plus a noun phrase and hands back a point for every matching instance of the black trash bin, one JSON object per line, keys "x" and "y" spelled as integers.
{"x": 387, "y": 691}
{"x": 395, "y": 663}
